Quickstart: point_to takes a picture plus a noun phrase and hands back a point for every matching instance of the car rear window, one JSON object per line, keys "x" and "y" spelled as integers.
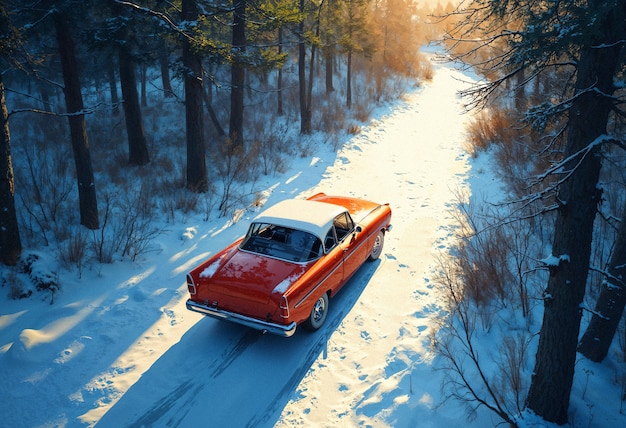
{"x": 282, "y": 242}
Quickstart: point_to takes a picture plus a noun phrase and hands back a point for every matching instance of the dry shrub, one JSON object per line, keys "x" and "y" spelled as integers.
{"x": 483, "y": 261}
{"x": 46, "y": 189}
{"x": 354, "y": 129}
{"x": 331, "y": 116}
{"x": 126, "y": 226}
{"x": 363, "y": 109}
{"x": 114, "y": 167}
{"x": 17, "y": 289}
{"x": 520, "y": 154}
{"x": 236, "y": 166}
{"x": 73, "y": 250}
{"x": 164, "y": 164}
{"x": 426, "y": 71}
{"x": 492, "y": 126}
{"x": 271, "y": 143}
{"x": 185, "y": 201}
{"x": 466, "y": 375}
{"x": 494, "y": 258}
{"x": 479, "y": 284}
{"x": 511, "y": 383}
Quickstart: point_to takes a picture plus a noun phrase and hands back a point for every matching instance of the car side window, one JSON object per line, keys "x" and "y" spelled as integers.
{"x": 343, "y": 225}
{"x": 330, "y": 241}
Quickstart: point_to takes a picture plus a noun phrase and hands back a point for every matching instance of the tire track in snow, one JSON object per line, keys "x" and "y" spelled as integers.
{"x": 340, "y": 305}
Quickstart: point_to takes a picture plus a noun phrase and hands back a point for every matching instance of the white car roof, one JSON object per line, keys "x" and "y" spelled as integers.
{"x": 301, "y": 214}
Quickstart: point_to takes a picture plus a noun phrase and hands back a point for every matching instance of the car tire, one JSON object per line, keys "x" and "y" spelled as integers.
{"x": 377, "y": 248}
{"x": 318, "y": 313}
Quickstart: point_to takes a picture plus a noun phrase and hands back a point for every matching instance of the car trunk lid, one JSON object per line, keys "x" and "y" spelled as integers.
{"x": 251, "y": 277}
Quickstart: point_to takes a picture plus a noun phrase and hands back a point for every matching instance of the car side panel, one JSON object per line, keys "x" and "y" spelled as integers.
{"x": 355, "y": 248}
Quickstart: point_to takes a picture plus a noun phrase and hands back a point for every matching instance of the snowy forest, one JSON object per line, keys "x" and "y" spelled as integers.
{"x": 72, "y": 67}
{"x": 124, "y": 118}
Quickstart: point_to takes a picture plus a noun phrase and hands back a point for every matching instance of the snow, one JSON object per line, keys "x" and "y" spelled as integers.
{"x": 118, "y": 347}
{"x": 555, "y": 261}
{"x": 285, "y": 283}
{"x": 211, "y": 269}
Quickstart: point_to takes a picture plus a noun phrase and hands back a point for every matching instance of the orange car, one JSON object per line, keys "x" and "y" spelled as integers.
{"x": 296, "y": 255}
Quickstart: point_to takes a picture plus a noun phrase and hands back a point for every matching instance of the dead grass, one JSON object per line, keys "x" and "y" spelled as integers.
{"x": 354, "y": 129}
{"x": 331, "y": 116}
{"x": 426, "y": 71}
{"x": 492, "y": 126}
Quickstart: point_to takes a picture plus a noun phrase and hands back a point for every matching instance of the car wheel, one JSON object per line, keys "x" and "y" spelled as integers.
{"x": 318, "y": 313}
{"x": 377, "y": 248}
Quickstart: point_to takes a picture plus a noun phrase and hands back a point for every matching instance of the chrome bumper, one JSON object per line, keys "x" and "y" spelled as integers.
{"x": 265, "y": 327}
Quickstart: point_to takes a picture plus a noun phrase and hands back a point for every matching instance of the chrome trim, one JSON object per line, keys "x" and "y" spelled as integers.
{"x": 264, "y": 326}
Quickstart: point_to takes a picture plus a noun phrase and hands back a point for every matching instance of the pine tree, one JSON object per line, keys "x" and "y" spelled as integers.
{"x": 78, "y": 131}
{"x": 583, "y": 42}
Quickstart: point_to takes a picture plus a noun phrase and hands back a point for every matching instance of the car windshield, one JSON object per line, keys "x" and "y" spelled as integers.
{"x": 282, "y": 242}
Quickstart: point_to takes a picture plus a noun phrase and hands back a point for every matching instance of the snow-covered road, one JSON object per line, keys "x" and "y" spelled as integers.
{"x": 375, "y": 367}
{"x": 119, "y": 348}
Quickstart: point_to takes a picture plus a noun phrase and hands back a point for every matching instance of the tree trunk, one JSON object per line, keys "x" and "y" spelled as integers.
{"x": 78, "y": 131}
{"x": 309, "y": 96}
{"x": 279, "y": 78}
{"x": 328, "y": 46}
{"x": 238, "y": 74}
{"x": 137, "y": 145}
{"x": 197, "y": 176}
{"x": 115, "y": 101}
{"x": 10, "y": 243}
{"x": 305, "y": 111}
{"x": 164, "y": 62}
{"x": 549, "y": 393}
{"x": 206, "y": 95}
{"x": 328, "y": 64}
{"x": 144, "y": 92}
{"x": 349, "y": 66}
{"x": 605, "y": 319}
{"x": 349, "y": 81}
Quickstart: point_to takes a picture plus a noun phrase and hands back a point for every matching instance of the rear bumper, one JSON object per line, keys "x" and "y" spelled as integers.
{"x": 265, "y": 327}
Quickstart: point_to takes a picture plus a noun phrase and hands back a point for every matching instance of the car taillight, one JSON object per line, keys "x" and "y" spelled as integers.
{"x": 190, "y": 285}
{"x": 284, "y": 307}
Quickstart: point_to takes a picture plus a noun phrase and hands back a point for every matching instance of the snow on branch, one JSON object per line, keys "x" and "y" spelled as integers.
{"x": 610, "y": 281}
{"x": 578, "y": 157}
{"x": 555, "y": 261}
